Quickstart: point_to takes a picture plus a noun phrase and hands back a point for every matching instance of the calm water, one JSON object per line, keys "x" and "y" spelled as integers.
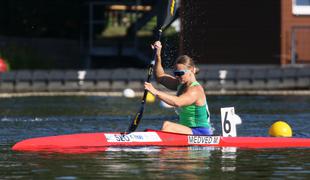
{"x": 28, "y": 117}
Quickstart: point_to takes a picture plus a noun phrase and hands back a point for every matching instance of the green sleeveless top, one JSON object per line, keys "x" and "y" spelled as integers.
{"x": 193, "y": 115}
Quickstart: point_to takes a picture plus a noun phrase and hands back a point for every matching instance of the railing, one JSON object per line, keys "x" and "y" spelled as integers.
{"x": 113, "y": 80}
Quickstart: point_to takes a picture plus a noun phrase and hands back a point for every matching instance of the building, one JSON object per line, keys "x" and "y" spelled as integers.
{"x": 295, "y": 31}
{"x": 113, "y": 33}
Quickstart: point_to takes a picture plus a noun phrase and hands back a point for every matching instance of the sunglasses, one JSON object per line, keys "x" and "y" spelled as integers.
{"x": 179, "y": 72}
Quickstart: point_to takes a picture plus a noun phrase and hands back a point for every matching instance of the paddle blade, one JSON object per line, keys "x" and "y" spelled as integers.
{"x": 167, "y": 12}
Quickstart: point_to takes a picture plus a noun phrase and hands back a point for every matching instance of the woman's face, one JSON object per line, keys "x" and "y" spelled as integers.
{"x": 182, "y": 73}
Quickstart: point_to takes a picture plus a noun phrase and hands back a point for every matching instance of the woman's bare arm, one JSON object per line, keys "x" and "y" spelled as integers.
{"x": 161, "y": 77}
{"x": 187, "y": 98}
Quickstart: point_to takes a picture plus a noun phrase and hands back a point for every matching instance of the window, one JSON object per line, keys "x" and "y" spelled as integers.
{"x": 301, "y": 7}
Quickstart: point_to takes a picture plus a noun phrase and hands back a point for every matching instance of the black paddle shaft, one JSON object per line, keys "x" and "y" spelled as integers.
{"x": 135, "y": 122}
{"x": 167, "y": 14}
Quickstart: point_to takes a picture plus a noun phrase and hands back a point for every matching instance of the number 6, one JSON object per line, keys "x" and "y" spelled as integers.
{"x": 226, "y": 123}
{"x": 229, "y": 121}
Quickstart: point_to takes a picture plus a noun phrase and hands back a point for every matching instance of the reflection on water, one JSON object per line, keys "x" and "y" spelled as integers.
{"x": 229, "y": 157}
{"x": 161, "y": 163}
{"x": 22, "y": 118}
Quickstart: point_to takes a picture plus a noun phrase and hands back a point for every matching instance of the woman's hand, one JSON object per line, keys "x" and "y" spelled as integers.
{"x": 157, "y": 45}
{"x": 150, "y": 88}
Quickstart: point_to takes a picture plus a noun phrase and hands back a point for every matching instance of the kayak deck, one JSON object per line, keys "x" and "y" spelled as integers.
{"x": 100, "y": 141}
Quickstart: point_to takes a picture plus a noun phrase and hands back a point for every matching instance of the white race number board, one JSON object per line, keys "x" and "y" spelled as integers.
{"x": 229, "y": 121}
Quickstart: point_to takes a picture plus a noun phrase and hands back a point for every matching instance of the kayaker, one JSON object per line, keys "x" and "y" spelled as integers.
{"x": 190, "y": 100}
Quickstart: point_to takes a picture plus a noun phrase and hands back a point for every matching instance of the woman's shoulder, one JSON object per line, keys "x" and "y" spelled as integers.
{"x": 197, "y": 88}
{"x": 196, "y": 84}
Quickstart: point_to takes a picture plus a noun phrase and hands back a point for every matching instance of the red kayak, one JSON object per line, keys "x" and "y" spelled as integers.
{"x": 100, "y": 141}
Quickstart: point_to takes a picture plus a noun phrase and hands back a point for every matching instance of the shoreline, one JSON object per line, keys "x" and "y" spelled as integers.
{"x": 139, "y": 94}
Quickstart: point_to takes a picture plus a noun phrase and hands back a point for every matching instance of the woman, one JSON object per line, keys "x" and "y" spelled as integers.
{"x": 190, "y": 99}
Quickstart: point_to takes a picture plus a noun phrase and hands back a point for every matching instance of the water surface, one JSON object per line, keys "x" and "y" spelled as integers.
{"x": 27, "y": 117}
